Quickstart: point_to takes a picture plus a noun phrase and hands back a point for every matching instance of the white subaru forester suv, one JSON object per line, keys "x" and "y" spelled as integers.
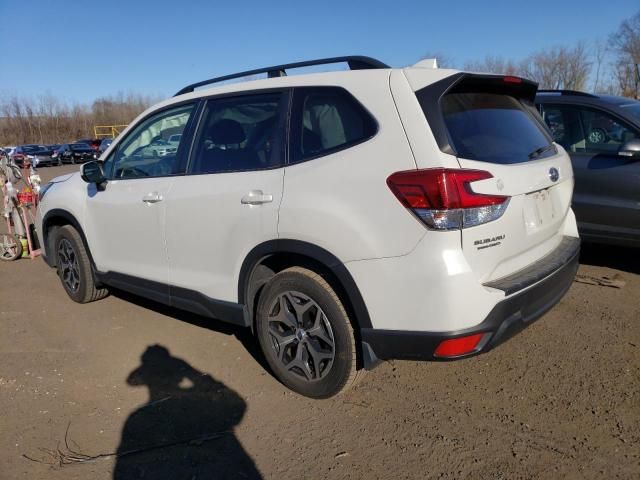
{"x": 345, "y": 217}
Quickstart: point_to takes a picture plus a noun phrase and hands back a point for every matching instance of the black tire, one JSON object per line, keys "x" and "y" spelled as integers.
{"x": 74, "y": 267}
{"x": 286, "y": 346}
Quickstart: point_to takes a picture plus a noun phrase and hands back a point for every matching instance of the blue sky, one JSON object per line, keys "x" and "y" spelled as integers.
{"x": 81, "y": 50}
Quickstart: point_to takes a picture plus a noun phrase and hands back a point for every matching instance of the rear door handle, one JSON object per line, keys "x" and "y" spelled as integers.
{"x": 256, "y": 197}
{"x": 153, "y": 197}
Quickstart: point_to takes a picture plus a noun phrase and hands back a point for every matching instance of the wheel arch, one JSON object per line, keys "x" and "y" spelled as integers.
{"x": 58, "y": 217}
{"x": 266, "y": 259}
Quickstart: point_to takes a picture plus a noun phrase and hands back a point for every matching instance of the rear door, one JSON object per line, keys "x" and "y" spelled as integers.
{"x": 607, "y": 184}
{"x": 491, "y": 125}
{"x": 228, "y": 202}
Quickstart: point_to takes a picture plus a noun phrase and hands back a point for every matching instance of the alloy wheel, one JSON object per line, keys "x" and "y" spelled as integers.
{"x": 68, "y": 265}
{"x": 301, "y": 336}
{"x": 9, "y": 247}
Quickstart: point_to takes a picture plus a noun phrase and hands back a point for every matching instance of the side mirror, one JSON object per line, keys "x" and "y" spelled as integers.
{"x": 630, "y": 149}
{"x": 91, "y": 172}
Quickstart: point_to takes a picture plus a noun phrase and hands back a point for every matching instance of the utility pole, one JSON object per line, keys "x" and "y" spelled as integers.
{"x": 637, "y": 78}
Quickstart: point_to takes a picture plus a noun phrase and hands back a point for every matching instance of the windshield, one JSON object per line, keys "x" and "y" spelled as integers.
{"x": 633, "y": 109}
{"x": 494, "y": 128}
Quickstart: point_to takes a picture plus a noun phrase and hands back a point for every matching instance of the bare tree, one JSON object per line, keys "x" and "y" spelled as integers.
{"x": 625, "y": 42}
{"x": 46, "y": 119}
{"x": 559, "y": 67}
{"x": 600, "y": 52}
{"x": 492, "y": 64}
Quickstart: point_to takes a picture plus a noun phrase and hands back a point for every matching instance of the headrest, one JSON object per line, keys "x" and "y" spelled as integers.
{"x": 226, "y": 132}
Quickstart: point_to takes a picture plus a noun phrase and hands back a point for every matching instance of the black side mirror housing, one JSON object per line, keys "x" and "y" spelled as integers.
{"x": 91, "y": 172}
{"x": 630, "y": 149}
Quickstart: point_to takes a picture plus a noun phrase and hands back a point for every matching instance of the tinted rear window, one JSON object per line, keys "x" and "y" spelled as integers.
{"x": 326, "y": 120}
{"x": 633, "y": 109}
{"x": 80, "y": 146}
{"x": 494, "y": 128}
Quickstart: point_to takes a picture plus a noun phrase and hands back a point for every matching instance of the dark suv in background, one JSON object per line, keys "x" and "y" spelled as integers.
{"x": 601, "y": 134}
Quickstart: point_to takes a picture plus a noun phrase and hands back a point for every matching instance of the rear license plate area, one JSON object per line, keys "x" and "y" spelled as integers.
{"x": 539, "y": 210}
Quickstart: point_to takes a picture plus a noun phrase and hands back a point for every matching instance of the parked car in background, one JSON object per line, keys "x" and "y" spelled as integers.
{"x": 601, "y": 134}
{"x": 157, "y": 148}
{"x": 38, "y": 155}
{"x": 74, "y": 153}
{"x": 348, "y": 217}
{"x": 104, "y": 144}
{"x": 53, "y": 147}
{"x": 175, "y": 138}
{"x": 94, "y": 143}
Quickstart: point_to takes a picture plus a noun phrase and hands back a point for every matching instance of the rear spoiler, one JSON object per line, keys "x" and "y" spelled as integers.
{"x": 429, "y": 97}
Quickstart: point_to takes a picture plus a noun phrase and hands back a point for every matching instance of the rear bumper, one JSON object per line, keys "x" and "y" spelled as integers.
{"x": 551, "y": 277}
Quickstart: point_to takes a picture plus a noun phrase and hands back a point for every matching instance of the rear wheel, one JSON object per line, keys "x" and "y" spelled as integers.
{"x": 74, "y": 267}
{"x": 305, "y": 334}
{"x": 10, "y": 247}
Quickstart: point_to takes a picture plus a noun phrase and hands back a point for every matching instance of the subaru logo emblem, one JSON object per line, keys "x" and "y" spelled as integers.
{"x": 554, "y": 175}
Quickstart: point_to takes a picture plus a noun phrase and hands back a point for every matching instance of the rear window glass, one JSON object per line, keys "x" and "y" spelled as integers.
{"x": 326, "y": 120}
{"x": 494, "y": 128}
{"x": 633, "y": 109}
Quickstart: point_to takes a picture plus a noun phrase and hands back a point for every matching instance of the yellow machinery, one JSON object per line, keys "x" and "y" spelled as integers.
{"x": 108, "y": 131}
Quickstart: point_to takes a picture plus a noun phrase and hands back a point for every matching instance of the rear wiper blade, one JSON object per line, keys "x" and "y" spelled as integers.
{"x": 539, "y": 151}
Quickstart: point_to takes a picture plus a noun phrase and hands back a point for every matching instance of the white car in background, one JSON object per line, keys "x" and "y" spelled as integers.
{"x": 345, "y": 217}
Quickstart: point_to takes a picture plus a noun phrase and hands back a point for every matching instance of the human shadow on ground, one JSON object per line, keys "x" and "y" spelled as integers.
{"x": 185, "y": 430}
{"x": 242, "y": 334}
{"x": 626, "y": 259}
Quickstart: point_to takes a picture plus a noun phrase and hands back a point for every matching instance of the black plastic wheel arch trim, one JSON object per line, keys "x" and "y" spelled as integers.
{"x": 69, "y": 219}
{"x": 318, "y": 254}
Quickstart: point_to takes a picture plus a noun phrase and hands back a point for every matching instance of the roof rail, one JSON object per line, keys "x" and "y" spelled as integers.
{"x": 354, "y": 62}
{"x": 569, "y": 92}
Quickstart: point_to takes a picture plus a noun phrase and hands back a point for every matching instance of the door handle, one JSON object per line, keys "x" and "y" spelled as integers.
{"x": 256, "y": 197}
{"x": 153, "y": 197}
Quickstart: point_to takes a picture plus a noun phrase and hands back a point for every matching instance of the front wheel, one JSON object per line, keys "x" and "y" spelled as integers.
{"x": 305, "y": 334}
{"x": 74, "y": 267}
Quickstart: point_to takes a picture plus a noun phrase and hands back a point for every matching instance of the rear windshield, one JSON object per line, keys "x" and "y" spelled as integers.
{"x": 495, "y": 128}
{"x": 80, "y": 146}
{"x": 633, "y": 109}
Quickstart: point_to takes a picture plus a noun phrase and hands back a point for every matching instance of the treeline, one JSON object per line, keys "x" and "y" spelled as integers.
{"x": 46, "y": 119}
{"x": 609, "y": 66}
{"x": 606, "y": 66}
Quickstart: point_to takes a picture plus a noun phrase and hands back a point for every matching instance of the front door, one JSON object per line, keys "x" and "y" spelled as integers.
{"x": 125, "y": 221}
{"x": 606, "y": 198}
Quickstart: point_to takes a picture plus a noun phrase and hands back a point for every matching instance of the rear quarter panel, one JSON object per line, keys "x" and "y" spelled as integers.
{"x": 341, "y": 202}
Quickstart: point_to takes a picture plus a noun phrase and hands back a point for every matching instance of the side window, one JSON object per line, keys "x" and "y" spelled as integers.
{"x": 150, "y": 150}
{"x": 604, "y": 133}
{"x": 564, "y": 126}
{"x": 325, "y": 120}
{"x": 586, "y": 130}
{"x": 239, "y": 134}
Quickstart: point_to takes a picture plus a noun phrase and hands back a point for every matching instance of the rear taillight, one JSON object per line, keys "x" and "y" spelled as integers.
{"x": 510, "y": 79}
{"x": 443, "y": 198}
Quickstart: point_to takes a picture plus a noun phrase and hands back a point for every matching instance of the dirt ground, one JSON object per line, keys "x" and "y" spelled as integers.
{"x": 182, "y": 397}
